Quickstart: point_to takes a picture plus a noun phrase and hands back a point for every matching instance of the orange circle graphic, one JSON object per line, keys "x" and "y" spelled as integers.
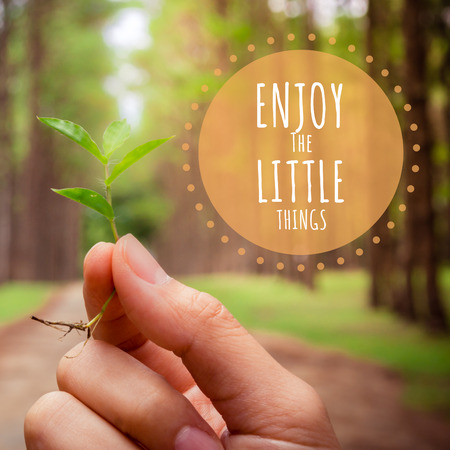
{"x": 300, "y": 152}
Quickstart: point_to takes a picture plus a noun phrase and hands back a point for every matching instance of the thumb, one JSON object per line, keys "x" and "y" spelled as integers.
{"x": 242, "y": 380}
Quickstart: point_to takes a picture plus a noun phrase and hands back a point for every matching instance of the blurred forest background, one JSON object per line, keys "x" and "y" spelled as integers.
{"x": 94, "y": 61}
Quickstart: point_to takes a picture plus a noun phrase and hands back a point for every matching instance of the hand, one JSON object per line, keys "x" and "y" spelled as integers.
{"x": 170, "y": 368}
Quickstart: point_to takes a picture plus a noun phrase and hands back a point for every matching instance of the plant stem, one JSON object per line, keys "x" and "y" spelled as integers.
{"x": 109, "y": 200}
{"x": 91, "y": 325}
{"x": 114, "y": 229}
{"x": 95, "y": 321}
{"x": 97, "y": 318}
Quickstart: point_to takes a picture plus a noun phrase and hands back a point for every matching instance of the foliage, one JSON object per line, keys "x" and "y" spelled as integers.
{"x": 76, "y": 134}
{"x": 114, "y": 137}
{"x": 132, "y": 157}
{"x": 88, "y": 198}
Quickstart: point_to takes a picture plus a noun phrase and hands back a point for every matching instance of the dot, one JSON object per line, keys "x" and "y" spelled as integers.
{"x": 291, "y": 36}
{"x": 407, "y": 107}
{"x": 311, "y": 37}
{"x": 198, "y": 206}
{"x": 224, "y": 238}
{"x": 369, "y": 59}
{"x": 251, "y": 48}
{"x": 241, "y": 251}
{"x": 415, "y": 168}
{"x": 210, "y": 224}
{"x": 320, "y": 266}
{"x": 185, "y": 146}
{"x": 402, "y": 207}
{"x": 332, "y": 41}
{"x": 410, "y": 188}
{"x": 351, "y": 48}
{"x": 188, "y": 126}
{"x": 270, "y": 41}
{"x": 300, "y": 267}
{"x": 376, "y": 239}
{"x": 398, "y": 89}
{"x": 233, "y": 58}
{"x": 413, "y": 127}
{"x": 260, "y": 260}
{"x": 217, "y": 72}
{"x": 205, "y": 88}
{"x": 340, "y": 260}
{"x": 280, "y": 266}
{"x": 390, "y": 225}
{"x": 416, "y": 147}
{"x": 194, "y": 106}
{"x": 186, "y": 167}
{"x": 190, "y": 187}
{"x": 384, "y": 73}
{"x": 359, "y": 252}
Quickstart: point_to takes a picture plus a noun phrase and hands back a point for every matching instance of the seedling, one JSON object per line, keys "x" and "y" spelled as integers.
{"x": 113, "y": 138}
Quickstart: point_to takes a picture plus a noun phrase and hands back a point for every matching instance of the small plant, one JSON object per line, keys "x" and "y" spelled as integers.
{"x": 113, "y": 138}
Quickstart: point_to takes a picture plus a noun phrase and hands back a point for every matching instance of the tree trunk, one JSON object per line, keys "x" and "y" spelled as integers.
{"x": 47, "y": 227}
{"x": 29, "y": 201}
{"x": 379, "y": 262}
{"x": 420, "y": 233}
{"x": 6, "y": 156}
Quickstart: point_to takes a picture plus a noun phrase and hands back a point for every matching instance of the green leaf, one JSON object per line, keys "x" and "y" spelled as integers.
{"x": 134, "y": 156}
{"x": 115, "y": 135}
{"x": 76, "y": 133}
{"x": 88, "y": 198}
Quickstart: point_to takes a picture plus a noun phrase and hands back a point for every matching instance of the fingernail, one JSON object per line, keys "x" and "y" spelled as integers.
{"x": 190, "y": 438}
{"x": 142, "y": 262}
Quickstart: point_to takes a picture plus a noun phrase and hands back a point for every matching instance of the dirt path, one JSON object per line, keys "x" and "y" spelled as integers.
{"x": 363, "y": 399}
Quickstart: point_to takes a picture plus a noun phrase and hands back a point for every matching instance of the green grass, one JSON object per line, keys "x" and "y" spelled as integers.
{"x": 335, "y": 316}
{"x": 20, "y": 299}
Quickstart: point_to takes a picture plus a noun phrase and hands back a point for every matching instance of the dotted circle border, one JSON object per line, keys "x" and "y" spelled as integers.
{"x": 241, "y": 251}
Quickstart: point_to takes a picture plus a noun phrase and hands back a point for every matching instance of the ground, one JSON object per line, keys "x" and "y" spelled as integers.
{"x": 363, "y": 399}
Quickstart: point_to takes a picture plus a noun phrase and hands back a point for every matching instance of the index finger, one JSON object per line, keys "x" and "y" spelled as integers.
{"x": 116, "y": 328}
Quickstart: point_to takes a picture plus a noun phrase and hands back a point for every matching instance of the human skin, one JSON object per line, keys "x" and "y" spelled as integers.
{"x": 170, "y": 368}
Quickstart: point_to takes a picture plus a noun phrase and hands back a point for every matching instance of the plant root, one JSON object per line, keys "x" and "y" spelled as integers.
{"x": 65, "y": 327}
